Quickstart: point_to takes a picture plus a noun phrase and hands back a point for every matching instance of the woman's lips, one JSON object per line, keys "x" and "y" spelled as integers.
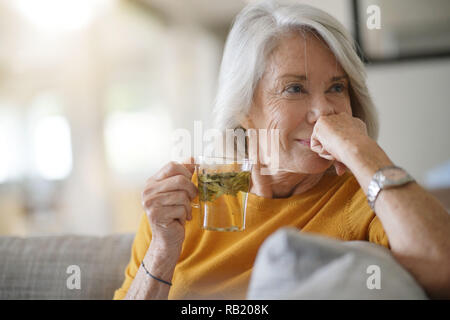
{"x": 304, "y": 142}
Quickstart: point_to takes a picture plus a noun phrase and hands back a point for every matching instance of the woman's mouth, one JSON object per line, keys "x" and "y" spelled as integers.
{"x": 304, "y": 142}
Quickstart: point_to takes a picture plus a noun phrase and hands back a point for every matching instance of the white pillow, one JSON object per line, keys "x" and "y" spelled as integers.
{"x": 298, "y": 265}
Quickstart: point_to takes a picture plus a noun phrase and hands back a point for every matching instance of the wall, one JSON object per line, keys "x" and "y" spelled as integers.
{"x": 413, "y": 104}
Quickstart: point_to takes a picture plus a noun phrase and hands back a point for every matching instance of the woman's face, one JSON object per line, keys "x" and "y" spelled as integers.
{"x": 301, "y": 82}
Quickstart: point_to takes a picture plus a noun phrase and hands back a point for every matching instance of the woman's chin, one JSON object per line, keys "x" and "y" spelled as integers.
{"x": 309, "y": 165}
{"x": 317, "y": 169}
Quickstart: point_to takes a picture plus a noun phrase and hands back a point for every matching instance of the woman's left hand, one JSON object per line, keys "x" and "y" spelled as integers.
{"x": 335, "y": 135}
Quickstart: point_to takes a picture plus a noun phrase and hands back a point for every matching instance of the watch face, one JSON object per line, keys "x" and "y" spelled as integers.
{"x": 394, "y": 174}
{"x": 385, "y": 178}
{"x": 390, "y": 177}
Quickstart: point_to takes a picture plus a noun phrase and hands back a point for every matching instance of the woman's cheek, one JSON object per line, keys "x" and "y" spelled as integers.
{"x": 341, "y": 107}
{"x": 276, "y": 120}
{"x": 345, "y": 105}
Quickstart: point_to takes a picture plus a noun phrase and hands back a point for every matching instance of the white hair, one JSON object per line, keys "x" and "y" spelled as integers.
{"x": 255, "y": 31}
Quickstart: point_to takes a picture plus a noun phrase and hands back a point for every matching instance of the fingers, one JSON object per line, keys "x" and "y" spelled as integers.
{"x": 315, "y": 144}
{"x": 326, "y": 155}
{"x": 172, "y": 169}
{"x": 167, "y": 201}
{"x": 174, "y": 198}
{"x": 171, "y": 202}
{"x": 163, "y": 217}
{"x": 189, "y": 164}
{"x": 340, "y": 168}
{"x": 168, "y": 194}
{"x": 317, "y": 147}
{"x": 173, "y": 183}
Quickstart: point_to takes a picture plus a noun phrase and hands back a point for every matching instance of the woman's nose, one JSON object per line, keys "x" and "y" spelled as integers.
{"x": 319, "y": 109}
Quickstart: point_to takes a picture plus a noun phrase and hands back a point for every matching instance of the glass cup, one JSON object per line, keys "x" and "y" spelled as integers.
{"x": 223, "y": 187}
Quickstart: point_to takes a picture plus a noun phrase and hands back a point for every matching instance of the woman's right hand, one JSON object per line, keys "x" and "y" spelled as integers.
{"x": 167, "y": 201}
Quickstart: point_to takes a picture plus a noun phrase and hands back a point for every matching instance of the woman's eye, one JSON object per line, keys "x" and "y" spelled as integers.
{"x": 294, "y": 89}
{"x": 338, "y": 87}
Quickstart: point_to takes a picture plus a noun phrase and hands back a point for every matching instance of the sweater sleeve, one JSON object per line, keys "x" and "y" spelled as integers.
{"x": 377, "y": 234}
{"x": 140, "y": 246}
{"x": 362, "y": 220}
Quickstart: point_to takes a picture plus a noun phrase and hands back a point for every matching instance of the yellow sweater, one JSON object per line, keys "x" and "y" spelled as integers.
{"x": 217, "y": 265}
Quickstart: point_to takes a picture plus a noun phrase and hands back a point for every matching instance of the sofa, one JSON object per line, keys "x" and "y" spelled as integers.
{"x": 313, "y": 267}
{"x": 44, "y": 267}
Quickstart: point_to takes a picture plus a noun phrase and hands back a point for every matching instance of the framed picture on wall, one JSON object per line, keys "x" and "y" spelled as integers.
{"x": 388, "y": 31}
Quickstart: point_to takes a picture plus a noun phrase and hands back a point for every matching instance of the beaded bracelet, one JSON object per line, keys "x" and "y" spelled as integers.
{"x": 166, "y": 282}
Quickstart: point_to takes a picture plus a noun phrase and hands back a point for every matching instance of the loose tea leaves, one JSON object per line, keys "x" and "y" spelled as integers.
{"x": 213, "y": 185}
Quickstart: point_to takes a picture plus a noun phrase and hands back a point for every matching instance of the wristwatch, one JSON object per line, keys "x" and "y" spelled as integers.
{"x": 386, "y": 178}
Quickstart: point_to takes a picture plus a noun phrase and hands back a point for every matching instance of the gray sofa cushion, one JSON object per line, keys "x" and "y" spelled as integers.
{"x": 294, "y": 265}
{"x": 36, "y": 267}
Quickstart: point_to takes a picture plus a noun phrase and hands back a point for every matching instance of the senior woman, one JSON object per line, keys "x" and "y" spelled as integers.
{"x": 292, "y": 68}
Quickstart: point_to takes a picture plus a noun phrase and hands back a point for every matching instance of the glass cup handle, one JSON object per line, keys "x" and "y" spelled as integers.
{"x": 195, "y": 203}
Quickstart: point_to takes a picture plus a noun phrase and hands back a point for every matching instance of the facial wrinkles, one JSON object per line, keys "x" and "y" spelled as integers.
{"x": 273, "y": 110}
{"x": 275, "y": 117}
{"x": 276, "y": 103}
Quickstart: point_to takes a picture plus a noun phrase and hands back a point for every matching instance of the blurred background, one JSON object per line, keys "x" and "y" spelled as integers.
{"x": 91, "y": 91}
